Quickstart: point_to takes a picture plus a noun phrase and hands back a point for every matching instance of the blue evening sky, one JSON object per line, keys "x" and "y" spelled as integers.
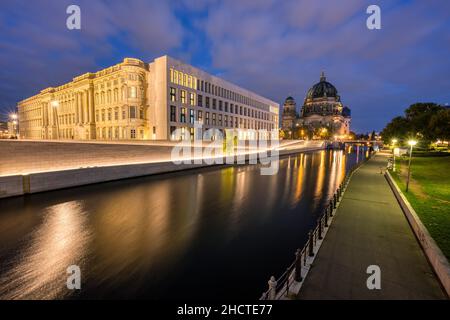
{"x": 275, "y": 48}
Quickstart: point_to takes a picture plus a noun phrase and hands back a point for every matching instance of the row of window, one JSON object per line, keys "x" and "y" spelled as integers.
{"x": 188, "y": 115}
{"x": 180, "y": 78}
{"x": 108, "y": 115}
{"x": 113, "y": 95}
{"x": 216, "y": 104}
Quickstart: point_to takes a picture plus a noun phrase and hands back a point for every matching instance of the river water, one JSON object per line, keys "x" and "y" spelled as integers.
{"x": 213, "y": 233}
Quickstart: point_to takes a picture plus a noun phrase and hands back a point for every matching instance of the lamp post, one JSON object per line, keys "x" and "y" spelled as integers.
{"x": 55, "y": 105}
{"x": 411, "y": 143}
{"x": 394, "y": 141}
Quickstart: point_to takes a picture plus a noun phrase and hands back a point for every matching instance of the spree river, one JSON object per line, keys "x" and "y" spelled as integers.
{"x": 212, "y": 233}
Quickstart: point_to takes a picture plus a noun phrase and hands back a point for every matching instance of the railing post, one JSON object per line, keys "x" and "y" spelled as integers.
{"x": 311, "y": 244}
{"x": 319, "y": 222}
{"x": 298, "y": 266}
{"x": 272, "y": 288}
{"x": 326, "y": 217}
{"x": 334, "y": 201}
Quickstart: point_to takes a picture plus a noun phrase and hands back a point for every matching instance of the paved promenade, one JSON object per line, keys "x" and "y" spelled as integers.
{"x": 370, "y": 229}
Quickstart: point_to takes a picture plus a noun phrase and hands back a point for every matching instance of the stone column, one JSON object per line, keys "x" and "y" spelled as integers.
{"x": 80, "y": 108}
{"x": 91, "y": 106}
{"x": 75, "y": 105}
{"x": 86, "y": 107}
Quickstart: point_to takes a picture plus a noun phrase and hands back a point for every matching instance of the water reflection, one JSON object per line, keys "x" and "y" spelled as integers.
{"x": 159, "y": 237}
{"x": 39, "y": 272}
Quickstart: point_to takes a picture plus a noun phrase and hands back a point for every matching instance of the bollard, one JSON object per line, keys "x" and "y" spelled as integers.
{"x": 330, "y": 208}
{"x": 326, "y": 217}
{"x": 311, "y": 244}
{"x": 334, "y": 201}
{"x": 298, "y": 266}
{"x": 319, "y": 222}
{"x": 272, "y": 288}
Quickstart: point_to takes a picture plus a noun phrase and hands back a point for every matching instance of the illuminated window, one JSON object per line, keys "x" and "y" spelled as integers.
{"x": 183, "y": 114}
{"x": 192, "y": 98}
{"x": 171, "y": 75}
{"x": 173, "y": 94}
{"x": 133, "y": 133}
{"x": 199, "y": 116}
{"x": 207, "y": 118}
{"x": 214, "y": 119}
{"x": 200, "y": 100}
{"x": 133, "y": 92}
{"x": 183, "y": 96}
{"x": 191, "y": 116}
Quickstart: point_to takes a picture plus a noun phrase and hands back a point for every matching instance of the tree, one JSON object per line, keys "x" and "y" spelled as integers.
{"x": 439, "y": 125}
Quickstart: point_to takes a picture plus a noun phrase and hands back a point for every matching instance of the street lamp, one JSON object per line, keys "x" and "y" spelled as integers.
{"x": 394, "y": 141}
{"x": 412, "y": 143}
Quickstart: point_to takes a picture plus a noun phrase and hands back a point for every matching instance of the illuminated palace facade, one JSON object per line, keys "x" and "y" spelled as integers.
{"x": 144, "y": 101}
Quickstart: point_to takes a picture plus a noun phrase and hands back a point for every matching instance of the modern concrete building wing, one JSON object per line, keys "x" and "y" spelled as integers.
{"x": 145, "y": 101}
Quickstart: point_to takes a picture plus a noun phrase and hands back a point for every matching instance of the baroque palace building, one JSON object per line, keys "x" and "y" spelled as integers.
{"x": 145, "y": 101}
{"x": 322, "y": 109}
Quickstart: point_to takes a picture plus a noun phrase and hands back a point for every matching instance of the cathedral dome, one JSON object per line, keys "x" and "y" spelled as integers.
{"x": 322, "y": 89}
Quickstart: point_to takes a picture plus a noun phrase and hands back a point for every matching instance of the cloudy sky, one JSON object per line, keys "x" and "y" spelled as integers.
{"x": 276, "y": 48}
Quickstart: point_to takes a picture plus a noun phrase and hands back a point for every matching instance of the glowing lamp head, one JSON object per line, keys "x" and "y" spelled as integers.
{"x": 54, "y": 104}
{"x": 412, "y": 143}
{"x": 394, "y": 141}
{"x": 13, "y": 116}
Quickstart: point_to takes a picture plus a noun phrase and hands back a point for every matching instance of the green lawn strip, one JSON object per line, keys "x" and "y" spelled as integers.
{"x": 433, "y": 203}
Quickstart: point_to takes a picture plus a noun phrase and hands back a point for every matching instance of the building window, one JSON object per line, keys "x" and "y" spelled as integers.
{"x": 141, "y": 113}
{"x": 124, "y": 114}
{"x": 191, "y": 116}
{"x": 183, "y": 96}
{"x": 199, "y": 116}
{"x": 133, "y": 134}
{"x": 200, "y": 100}
{"x": 214, "y": 104}
{"x": 220, "y": 119}
{"x": 214, "y": 119}
{"x": 207, "y": 118}
{"x": 116, "y": 114}
{"x": 226, "y": 106}
{"x": 173, "y": 113}
{"x": 97, "y": 118}
{"x": 173, "y": 94}
{"x": 207, "y": 102}
{"x": 103, "y": 114}
{"x": 109, "y": 114}
{"x": 220, "y": 105}
{"x": 132, "y": 112}
{"x": 116, "y": 132}
{"x": 192, "y": 98}
{"x": 226, "y": 121}
{"x": 183, "y": 114}
{"x": 133, "y": 92}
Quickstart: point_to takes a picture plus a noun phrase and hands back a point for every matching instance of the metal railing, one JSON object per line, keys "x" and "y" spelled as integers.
{"x": 279, "y": 288}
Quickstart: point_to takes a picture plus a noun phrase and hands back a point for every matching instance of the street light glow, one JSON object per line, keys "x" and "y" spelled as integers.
{"x": 412, "y": 142}
{"x": 54, "y": 104}
{"x": 394, "y": 141}
{"x": 13, "y": 116}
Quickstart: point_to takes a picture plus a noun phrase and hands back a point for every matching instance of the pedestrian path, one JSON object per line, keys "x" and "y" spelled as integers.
{"x": 370, "y": 229}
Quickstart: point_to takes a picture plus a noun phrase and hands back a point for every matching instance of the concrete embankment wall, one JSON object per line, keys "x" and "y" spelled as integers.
{"x": 52, "y": 166}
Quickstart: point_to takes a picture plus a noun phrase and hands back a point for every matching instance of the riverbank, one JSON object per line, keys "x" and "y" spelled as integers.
{"x": 37, "y": 166}
{"x": 370, "y": 229}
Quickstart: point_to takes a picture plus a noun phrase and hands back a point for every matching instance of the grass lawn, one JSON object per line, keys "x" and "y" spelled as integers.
{"x": 429, "y": 194}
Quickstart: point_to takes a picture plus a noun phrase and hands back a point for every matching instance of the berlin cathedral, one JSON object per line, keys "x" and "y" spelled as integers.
{"x": 322, "y": 111}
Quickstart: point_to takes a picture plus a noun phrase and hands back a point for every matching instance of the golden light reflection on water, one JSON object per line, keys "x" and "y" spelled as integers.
{"x": 40, "y": 272}
{"x": 140, "y": 228}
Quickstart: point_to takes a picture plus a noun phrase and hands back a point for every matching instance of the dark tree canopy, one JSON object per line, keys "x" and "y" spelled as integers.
{"x": 424, "y": 121}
